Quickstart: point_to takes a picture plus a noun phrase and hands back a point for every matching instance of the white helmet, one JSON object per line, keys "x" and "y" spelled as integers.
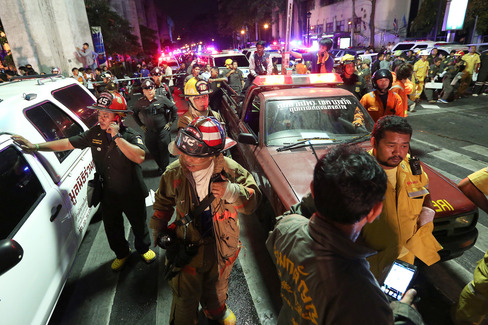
{"x": 424, "y": 52}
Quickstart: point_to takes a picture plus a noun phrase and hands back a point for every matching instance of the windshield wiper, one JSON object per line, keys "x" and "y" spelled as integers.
{"x": 358, "y": 139}
{"x": 303, "y": 143}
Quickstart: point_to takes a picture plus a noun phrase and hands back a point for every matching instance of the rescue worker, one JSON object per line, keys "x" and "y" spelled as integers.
{"x": 472, "y": 60}
{"x": 433, "y": 55}
{"x": 162, "y": 89}
{"x": 168, "y": 75}
{"x": 404, "y": 229}
{"x": 117, "y": 152}
{"x": 234, "y": 76}
{"x": 432, "y": 80}
{"x": 398, "y": 60}
{"x": 382, "y": 101}
{"x": 324, "y": 273}
{"x": 155, "y": 114}
{"x": 472, "y": 307}
{"x": 403, "y": 86}
{"x": 420, "y": 70}
{"x": 321, "y": 61}
{"x": 481, "y": 82}
{"x": 195, "y": 73}
{"x": 197, "y": 94}
{"x": 107, "y": 83}
{"x": 351, "y": 81}
{"x": 207, "y": 243}
{"x": 451, "y": 80}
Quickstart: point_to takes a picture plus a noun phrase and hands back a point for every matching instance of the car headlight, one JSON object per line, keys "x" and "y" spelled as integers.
{"x": 463, "y": 221}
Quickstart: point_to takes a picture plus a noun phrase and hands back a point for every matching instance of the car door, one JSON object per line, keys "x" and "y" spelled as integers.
{"x": 35, "y": 215}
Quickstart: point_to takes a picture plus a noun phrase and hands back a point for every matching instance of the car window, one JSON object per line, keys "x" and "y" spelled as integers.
{"x": 53, "y": 124}
{"x": 406, "y": 46}
{"x": 77, "y": 100}
{"x": 20, "y": 191}
{"x": 241, "y": 60}
{"x": 424, "y": 46}
{"x": 252, "y": 115}
{"x": 341, "y": 118}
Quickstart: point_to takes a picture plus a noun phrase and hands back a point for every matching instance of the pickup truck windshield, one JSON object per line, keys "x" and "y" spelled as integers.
{"x": 341, "y": 118}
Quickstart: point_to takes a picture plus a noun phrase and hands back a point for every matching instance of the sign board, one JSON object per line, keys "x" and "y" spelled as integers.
{"x": 454, "y": 16}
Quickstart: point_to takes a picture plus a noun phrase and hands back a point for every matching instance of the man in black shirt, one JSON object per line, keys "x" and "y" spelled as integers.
{"x": 155, "y": 114}
{"x": 117, "y": 152}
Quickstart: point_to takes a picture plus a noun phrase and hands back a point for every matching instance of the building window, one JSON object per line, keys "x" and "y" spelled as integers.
{"x": 357, "y": 24}
{"x": 329, "y": 28}
{"x": 329, "y": 2}
{"x": 340, "y": 25}
{"x": 319, "y": 29}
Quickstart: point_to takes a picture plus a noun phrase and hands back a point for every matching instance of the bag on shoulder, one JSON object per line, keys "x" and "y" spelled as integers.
{"x": 94, "y": 190}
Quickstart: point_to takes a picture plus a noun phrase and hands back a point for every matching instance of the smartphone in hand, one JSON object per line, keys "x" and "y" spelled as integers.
{"x": 399, "y": 279}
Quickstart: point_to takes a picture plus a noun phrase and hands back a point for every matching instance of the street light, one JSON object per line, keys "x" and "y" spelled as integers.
{"x": 243, "y": 33}
{"x": 266, "y": 26}
{"x": 309, "y": 14}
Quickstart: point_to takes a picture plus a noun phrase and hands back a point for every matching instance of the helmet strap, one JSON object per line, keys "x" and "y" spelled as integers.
{"x": 196, "y": 111}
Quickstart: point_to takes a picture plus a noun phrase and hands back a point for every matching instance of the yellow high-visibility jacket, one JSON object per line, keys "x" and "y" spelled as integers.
{"x": 396, "y": 228}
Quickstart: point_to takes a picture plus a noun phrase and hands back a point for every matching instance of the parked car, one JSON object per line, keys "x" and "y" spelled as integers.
{"x": 415, "y": 45}
{"x": 480, "y": 47}
{"x": 286, "y": 123}
{"x": 44, "y": 214}
{"x": 218, "y": 60}
{"x": 337, "y": 54}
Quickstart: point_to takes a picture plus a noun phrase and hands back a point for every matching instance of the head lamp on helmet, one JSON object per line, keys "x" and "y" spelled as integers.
{"x": 203, "y": 137}
{"x": 156, "y": 71}
{"x": 111, "y": 102}
{"x": 380, "y": 74}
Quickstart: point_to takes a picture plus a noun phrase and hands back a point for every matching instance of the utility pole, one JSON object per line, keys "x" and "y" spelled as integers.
{"x": 286, "y": 54}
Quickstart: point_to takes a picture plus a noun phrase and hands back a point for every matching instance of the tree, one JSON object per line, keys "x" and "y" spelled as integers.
{"x": 371, "y": 22}
{"x": 478, "y": 8}
{"x": 116, "y": 31}
{"x": 426, "y": 19}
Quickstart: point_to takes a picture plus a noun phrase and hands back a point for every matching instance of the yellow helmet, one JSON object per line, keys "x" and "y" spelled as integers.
{"x": 195, "y": 87}
{"x": 348, "y": 58}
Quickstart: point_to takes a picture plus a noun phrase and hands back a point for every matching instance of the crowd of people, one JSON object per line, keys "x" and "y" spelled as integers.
{"x": 331, "y": 250}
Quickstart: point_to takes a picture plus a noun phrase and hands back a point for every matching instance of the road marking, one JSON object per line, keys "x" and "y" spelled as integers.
{"x": 458, "y": 159}
{"x": 444, "y": 110}
{"x": 252, "y": 257}
{"x": 430, "y": 106}
{"x": 482, "y": 241}
{"x": 150, "y": 198}
{"x": 480, "y": 150}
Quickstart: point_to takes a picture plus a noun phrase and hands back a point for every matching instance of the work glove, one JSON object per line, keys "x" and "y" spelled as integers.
{"x": 167, "y": 127}
{"x": 158, "y": 226}
{"x": 426, "y": 216}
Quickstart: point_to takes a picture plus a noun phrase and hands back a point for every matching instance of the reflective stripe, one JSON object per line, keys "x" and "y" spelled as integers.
{"x": 418, "y": 193}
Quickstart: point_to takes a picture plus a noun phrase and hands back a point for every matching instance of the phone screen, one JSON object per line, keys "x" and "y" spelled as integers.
{"x": 398, "y": 279}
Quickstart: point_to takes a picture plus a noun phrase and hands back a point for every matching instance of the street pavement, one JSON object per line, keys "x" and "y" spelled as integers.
{"x": 451, "y": 138}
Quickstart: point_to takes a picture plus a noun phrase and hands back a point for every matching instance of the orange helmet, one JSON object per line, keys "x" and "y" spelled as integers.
{"x": 111, "y": 102}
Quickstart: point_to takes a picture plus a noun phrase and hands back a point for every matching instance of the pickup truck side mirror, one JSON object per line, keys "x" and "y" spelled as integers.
{"x": 247, "y": 138}
{"x": 11, "y": 254}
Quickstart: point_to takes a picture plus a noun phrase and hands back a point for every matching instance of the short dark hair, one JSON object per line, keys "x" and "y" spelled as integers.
{"x": 404, "y": 71}
{"x": 347, "y": 184}
{"x": 72, "y": 70}
{"x": 85, "y": 44}
{"x": 214, "y": 69}
{"x": 261, "y": 43}
{"x": 326, "y": 42}
{"x": 392, "y": 123}
{"x": 437, "y": 60}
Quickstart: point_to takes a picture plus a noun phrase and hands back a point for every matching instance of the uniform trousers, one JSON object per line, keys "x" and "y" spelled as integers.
{"x": 157, "y": 142}
{"x": 134, "y": 209}
{"x": 200, "y": 285}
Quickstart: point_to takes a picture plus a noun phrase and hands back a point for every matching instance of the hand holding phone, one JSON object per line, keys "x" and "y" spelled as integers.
{"x": 114, "y": 126}
{"x": 399, "y": 279}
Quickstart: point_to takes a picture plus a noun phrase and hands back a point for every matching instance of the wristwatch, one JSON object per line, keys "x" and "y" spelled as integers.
{"x": 118, "y": 135}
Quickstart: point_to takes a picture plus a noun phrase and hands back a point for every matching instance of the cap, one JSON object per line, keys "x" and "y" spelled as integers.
{"x": 148, "y": 83}
{"x": 228, "y": 61}
{"x": 203, "y": 137}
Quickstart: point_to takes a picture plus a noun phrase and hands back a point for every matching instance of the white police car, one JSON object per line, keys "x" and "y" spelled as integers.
{"x": 44, "y": 213}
